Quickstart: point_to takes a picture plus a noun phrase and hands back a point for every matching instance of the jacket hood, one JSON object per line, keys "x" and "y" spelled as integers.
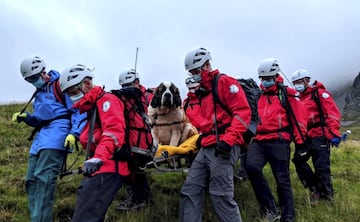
{"x": 206, "y": 78}
{"x": 89, "y": 100}
{"x": 54, "y": 75}
{"x": 314, "y": 86}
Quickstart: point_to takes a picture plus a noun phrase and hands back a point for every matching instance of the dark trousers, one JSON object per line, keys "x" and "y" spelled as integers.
{"x": 95, "y": 195}
{"x": 320, "y": 179}
{"x": 277, "y": 153}
{"x": 137, "y": 186}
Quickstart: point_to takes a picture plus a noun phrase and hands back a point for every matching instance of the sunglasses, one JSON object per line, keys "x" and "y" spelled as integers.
{"x": 193, "y": 79}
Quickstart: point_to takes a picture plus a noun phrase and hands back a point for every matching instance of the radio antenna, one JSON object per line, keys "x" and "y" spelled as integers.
{"x": 136, "y": 57}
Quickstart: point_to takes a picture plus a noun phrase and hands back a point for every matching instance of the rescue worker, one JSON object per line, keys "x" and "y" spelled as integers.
{"x": 272, "y": 142}
{"x": 191, "y": 103}
{"x": 222, "y": 136}
{"x": 137, "y": 184}
{"x": 103, "y": 174}
{"x": 323, "y": 125}
{"x": 56, "y": 128}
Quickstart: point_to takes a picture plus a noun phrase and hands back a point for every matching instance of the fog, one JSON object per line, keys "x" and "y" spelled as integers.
{"x": 321, "y": 36}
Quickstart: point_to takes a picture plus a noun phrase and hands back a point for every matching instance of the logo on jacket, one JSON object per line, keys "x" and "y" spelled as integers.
{"x": 106, "y": 106}
{"x": 234, "y": 89}
{"x": 325, "y": 95}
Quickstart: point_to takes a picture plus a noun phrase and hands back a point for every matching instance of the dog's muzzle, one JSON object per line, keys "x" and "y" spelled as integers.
{"x": 167, "y": 99}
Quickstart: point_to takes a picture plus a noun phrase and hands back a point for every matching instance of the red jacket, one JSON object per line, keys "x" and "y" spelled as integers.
{"x": 109, "y": 133}
{"x": 274, "y": 123}
{"x": 191, "y": 106}
{"x": 233, "y": 97}
{"x": 331, "y": 112}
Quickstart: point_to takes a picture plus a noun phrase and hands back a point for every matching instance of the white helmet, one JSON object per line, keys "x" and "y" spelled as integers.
{"x": 73, "y": 76}
{"x": 128, "y": 76}
{"x": 300, "y": 74}
{"x": 32, "y": 66}
{"x": 268, "y": 67}
{"x": 196, "y": 58}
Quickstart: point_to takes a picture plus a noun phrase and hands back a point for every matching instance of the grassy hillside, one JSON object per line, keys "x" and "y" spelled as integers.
{"x": 165, "y": 186}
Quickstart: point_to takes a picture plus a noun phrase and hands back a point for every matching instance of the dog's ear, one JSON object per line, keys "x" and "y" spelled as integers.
{"x": 156, "y": 100}
{"x": 176, "y": 95}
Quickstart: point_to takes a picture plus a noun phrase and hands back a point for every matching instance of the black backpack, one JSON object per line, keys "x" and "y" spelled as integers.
{"x": 252, "y": 92}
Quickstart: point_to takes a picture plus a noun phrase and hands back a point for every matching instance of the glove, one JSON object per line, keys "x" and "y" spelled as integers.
{"x": 18, "y": 117}
{"x": 301, "y": 154}
{"x": 223, "y": 150}
{"x": 72, "y": 142}
{"x": 335, "y": 141}
{"x": 92, "y": 165}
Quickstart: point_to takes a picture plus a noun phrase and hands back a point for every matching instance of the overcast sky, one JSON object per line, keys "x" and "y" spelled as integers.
{"x": 322, "y": 36}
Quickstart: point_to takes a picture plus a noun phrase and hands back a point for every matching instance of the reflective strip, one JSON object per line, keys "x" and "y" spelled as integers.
{"x": 116, "y": 142}
{"x": 237, "y": 117}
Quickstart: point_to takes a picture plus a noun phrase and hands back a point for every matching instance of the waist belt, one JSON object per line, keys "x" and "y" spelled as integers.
{"x": 45, "y": 123}
{"x": 315, "y": 125}
{"x": 284, "y": 129}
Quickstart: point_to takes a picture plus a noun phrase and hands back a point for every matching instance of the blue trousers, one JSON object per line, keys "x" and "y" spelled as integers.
{"x": 40, "y": 183}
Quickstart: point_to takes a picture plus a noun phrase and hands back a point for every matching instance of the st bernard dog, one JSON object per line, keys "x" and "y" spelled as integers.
{"x": 170, "y": 126}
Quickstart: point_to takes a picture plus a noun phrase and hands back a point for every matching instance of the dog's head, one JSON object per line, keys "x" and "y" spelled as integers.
{"x": 166, "y": 95}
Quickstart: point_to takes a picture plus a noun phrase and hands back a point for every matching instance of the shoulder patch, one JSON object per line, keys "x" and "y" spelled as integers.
{"x": 325, "y": 95}
{"x": 106, "y": 106}
{"x": 234, "y": 88}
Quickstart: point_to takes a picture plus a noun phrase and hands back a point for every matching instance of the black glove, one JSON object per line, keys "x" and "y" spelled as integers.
{"x": 302, "y": 153}
{"x": 123, "y": 154}
{"x": 223, "y": 150}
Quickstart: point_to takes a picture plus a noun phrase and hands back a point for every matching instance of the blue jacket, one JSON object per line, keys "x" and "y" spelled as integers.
{"x": 46, "y": 107}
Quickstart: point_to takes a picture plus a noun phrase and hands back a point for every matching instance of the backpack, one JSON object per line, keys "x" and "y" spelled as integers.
{"x": 252, "y": 92}
{"x": 57, "y": 92}
{"x": 139, "y": 156}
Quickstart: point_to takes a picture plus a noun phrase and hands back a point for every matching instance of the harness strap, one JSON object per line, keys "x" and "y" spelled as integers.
{"x": 166, "y": 124}
{"x": 45, "y": 123}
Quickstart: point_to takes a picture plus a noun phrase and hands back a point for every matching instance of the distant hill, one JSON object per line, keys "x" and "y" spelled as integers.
{"x": 348, "y": 100}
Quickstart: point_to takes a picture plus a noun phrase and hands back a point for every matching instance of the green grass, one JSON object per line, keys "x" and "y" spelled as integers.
{"x": 166, "y": 186}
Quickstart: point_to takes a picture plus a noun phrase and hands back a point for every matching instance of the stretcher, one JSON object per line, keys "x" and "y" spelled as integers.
{"x": 161, "y": 158}
{"x": 165, "y": 158}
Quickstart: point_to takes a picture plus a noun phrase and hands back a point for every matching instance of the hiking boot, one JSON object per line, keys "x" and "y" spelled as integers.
{"x": 129, "y": 205}
{"x": 314, "y": 198}
{"x": 272, "y": 216}
{"x": 241, "y": 176}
